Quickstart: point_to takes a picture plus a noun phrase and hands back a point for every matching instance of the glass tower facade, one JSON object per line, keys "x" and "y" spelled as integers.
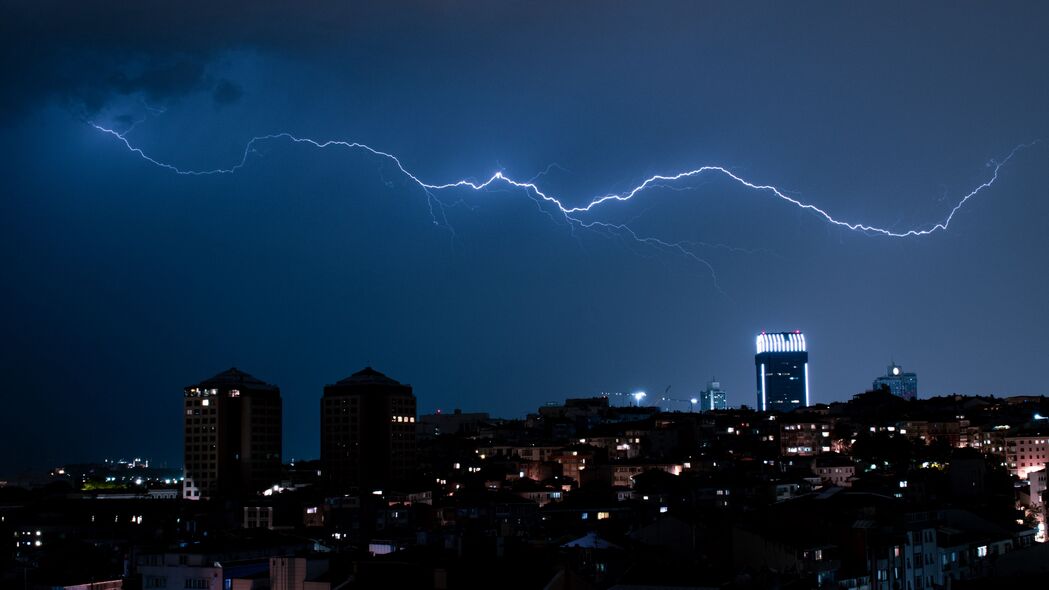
{"x": 901, "y": 384}
{"x": 713, "y": 397}
{"x": 782, "y": 365}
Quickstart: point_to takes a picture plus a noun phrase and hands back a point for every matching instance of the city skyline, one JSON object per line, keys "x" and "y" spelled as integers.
{"x": 129, "y": 280}
{"x": 579, "y": 295}
{"x": 305, "y": 449}
{"x": 235, "y": 380}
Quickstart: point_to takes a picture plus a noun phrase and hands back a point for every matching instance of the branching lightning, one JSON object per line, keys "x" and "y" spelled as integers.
{"x": 574, "y": 214}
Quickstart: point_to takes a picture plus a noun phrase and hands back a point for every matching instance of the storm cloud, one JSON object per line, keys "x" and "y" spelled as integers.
{"x": 83, "y": 54}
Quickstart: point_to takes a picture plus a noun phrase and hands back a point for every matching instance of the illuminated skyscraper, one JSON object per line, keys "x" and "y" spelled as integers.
{"x": 712, "y": 398}
{"x": 232, "y": 436}
{"x": 367, "y": 431}
{"x": 901, "y": 384}
{"x": 782, "y": 364}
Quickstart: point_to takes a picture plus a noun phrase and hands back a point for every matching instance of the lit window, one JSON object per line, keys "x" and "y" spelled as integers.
{"x": 981, "y": 551}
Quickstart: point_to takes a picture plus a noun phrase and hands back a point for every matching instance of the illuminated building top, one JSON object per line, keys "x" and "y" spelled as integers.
{"x": 781, "y": 342}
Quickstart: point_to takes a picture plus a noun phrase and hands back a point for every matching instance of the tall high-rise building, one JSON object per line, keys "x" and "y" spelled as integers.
{"x": 232, "y": 436}
{"x": 367, "y": 431}
{"x": 782, "y": 364}
{"x": 713, "y": 397}
{"x": 901, "y": 384}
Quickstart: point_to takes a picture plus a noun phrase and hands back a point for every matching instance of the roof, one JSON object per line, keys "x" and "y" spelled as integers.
{"x": 833, "y": 460}
{"x": 591, "y": 541}
{"x": 780, "y": 342}
{"x": 368, "y": 376}
{"x": 233, "y": 377}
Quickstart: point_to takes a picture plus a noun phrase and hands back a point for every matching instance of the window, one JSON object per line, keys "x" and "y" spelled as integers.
{"x": 981, "y": 551}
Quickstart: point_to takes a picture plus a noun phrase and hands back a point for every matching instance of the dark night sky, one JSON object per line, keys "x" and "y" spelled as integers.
{"x": 126, "y": 282}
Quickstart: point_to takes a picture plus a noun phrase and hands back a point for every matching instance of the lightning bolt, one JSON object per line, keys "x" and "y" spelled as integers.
{"x": 573, "y": 213}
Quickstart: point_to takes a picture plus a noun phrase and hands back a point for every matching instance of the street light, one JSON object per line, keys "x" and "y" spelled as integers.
{"x": 691, "y": 403}
{"x": 638, "y": 396}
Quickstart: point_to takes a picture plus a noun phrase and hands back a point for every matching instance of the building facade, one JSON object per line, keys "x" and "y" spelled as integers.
{"x": 232, "y": 436}
{"x": 835, "y": 470}
{"x": 1026, "y": 453}
{"x": 901, "y": 384}
{"x": 367, "y": 431}
{"x": 782, "y": 364}
{"x": 804, "y": 439}
{"x": 713, "y": 397}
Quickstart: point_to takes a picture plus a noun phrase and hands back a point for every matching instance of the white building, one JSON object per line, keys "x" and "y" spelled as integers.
{"x": 1026, "y": 453}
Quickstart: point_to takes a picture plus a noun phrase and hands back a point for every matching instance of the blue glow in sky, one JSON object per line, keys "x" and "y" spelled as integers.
{"x": 128, "y": 282}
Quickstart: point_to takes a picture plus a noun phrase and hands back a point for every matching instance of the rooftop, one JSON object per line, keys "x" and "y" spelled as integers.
{"x": 235, "y": 377}
{"x": 369, "y": 376}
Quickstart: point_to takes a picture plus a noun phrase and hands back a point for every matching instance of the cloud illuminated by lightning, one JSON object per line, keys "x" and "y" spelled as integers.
{"x": 573, "y": 214}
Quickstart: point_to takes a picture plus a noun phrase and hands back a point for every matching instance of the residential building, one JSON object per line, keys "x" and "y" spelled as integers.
{"x": 367, "y": 431}
{"x": 1027, "y": 452}
{"x": 232, "y": 436}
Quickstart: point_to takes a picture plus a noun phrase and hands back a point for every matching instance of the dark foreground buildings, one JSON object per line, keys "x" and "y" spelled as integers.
{"x": 232, "y": 436}
{"x": 782, "y": 364}
{"x": 367, "y": 431}
{"x": 876, "y": 493}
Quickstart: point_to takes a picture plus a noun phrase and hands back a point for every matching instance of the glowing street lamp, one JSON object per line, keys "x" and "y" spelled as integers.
{"x": 692, "y": 403}
{"x": 638, "y": 397}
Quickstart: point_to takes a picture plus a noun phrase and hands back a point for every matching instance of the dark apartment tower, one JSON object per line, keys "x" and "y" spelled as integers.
{"x": 367, "y": 431}
{"x": 232, "y": 436}
{"x": 782, "y": 364}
